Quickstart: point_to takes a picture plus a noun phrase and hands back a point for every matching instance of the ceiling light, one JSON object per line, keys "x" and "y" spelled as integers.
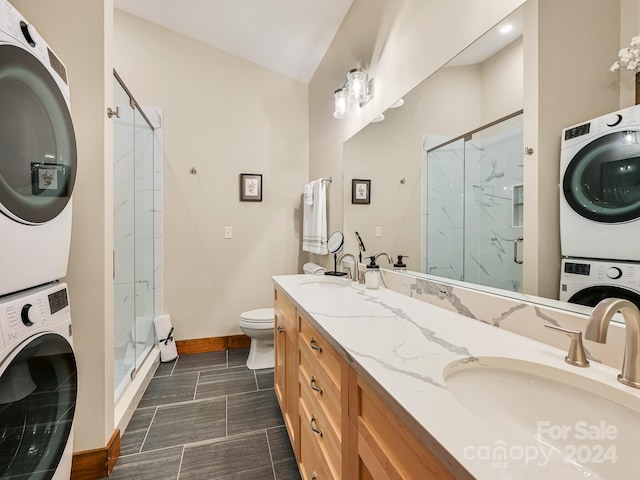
{"x": 506, "y": 28}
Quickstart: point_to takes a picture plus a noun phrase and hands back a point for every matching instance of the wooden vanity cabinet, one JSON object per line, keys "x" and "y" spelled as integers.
{"x": 323, "y": 379}
{"x": 286, "y": 364}
{"x": 339, "y": 427}
{"x": 382, "y": 446}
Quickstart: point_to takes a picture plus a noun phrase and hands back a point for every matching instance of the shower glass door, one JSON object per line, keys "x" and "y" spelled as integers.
{"x": 474, "y": 206}
{"x": 133, "y": 238}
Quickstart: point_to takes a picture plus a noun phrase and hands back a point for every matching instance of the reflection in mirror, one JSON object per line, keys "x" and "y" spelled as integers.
{"x": 474, "y": 205}
{"x": 481, "y": 85}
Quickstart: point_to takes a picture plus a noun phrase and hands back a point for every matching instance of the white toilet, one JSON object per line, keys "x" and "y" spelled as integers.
{"x": 258, "y": 324}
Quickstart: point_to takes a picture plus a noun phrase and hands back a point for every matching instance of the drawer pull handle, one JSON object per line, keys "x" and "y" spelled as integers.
{"x": 314, "y": 476}
{"x": 315, "y": 346}
{"x": 314, "y": 387}
{"x": 312, "y": 424}
{"x": 280, "y": 329}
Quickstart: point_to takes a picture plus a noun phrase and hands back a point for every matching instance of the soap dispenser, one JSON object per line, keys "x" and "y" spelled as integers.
{"x": 372, "y": 274}
{"x": 400, "y": 265}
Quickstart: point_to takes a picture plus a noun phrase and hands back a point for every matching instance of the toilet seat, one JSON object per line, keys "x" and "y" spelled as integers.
{"x": 261, "y": 315}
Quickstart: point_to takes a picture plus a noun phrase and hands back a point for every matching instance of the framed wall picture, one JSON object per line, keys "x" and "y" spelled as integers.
{"x": 250, "y": 187}
{"x": 361, "y": 191}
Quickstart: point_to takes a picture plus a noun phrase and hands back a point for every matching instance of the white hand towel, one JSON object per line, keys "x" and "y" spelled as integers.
{"x": 314, "y": 223}
{"x": 308, "y": 194}
{"x": 313, "y": 269}
{"x": 166, "y": 342}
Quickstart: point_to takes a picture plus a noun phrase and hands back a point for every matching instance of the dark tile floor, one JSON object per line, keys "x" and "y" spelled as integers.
{"x": 205, "y": 417}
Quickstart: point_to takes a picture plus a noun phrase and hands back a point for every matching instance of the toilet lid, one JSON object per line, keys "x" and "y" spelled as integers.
{"x": 262, "y": 315}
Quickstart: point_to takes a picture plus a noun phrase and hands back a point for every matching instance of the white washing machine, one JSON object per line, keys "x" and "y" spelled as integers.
{"x": 600, "y": 187}
{"x": 586, "y": 282}
{"x": 38, "y": 384}
{"x": 37, "y": 157}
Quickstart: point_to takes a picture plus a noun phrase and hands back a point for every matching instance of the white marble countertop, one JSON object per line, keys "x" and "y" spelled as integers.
{"x": 402, "y": 345}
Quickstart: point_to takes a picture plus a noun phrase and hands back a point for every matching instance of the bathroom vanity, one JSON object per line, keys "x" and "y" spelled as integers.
{"x": 375, "y": 384}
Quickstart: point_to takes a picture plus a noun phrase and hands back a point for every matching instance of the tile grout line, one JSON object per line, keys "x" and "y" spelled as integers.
{"x": 148, "y": 430}
{"x": 273, "y": 467}
{"x": 195, "y": 390}
{"x": 181, "y": 460}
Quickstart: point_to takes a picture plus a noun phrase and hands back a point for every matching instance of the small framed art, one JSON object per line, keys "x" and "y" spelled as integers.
{"x": 250, "y": 187}
{"x": 361, "y": 191}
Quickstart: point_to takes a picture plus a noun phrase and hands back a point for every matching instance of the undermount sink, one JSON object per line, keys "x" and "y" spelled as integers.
{"x": 325, "y": 282}
{"x": 592, "y": 426}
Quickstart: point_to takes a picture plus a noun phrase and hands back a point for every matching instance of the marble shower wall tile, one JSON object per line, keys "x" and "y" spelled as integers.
{"x": 522, "y": 314}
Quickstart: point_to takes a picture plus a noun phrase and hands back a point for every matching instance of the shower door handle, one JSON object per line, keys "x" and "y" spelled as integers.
{"x": 515, "y": 250}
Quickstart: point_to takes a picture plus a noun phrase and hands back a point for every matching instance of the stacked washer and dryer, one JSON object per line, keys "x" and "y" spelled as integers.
{"x": 600, "y": 209}
{"x": 38, "y": 375}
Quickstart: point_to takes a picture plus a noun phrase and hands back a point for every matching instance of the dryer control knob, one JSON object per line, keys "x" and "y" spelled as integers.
{"x": 614, "y": 273}
{"x": 29, "y": 315}
{"x": 613, "y": 120}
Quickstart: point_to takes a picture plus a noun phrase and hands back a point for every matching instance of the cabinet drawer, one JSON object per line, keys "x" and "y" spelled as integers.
{"x": 312, "y": 463}
{"x": 384, "y": 440}
{"x": 324, "y": 445}
{"x": 319, "y": 385}
{"x": 282, "y": 304}
{"x": 320, "y": 349}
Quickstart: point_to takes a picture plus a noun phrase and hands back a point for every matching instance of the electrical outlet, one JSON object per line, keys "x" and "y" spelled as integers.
{"x": 378, "y": 232}
{"x": 228, "y": 232}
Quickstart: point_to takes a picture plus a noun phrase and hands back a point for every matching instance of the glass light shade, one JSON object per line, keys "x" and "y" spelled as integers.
{"x": 357, "y": 84}
{"x": 340, "y": 105}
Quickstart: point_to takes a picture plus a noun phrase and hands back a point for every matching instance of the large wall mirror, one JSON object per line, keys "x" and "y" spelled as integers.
{"x": 446, "y": 169}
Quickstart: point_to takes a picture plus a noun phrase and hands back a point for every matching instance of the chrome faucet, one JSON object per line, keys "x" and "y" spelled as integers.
{"x": 389, "y": 259}
{"x": 355, "y": 264}
{"x": 597, "y": 331}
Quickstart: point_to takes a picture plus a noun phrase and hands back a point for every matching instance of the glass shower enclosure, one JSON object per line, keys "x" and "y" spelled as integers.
{"x": 474, "y": 208}
{"x": 133, "y": 236}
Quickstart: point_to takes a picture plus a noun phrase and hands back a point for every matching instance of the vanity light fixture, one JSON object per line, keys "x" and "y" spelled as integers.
{"x": 397, "y": 103}
{"x": 340, "y": 98}
{"x": 358, "y": 89}
{"x": 378, "y": 118}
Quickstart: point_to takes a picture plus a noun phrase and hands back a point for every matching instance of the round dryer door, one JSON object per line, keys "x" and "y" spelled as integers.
{"x": 38, "y": 154}
{"x": 38, "y": 388}
{"x": 602, "y": 181}
{"x": 591, "y": 296}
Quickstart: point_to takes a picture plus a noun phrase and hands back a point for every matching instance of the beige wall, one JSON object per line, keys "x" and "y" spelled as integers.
{"x": 85, "y": 47}
{"x": 223, "y": 116}
{"x": 401, "y": 42}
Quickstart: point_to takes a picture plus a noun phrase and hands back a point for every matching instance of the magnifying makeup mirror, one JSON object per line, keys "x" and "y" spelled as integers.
{"x": 334, "y": 245}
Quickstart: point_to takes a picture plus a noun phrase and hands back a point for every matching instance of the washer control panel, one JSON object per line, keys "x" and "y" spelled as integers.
{"x": 26, "y": 313}
{"x": 594, "y": 272}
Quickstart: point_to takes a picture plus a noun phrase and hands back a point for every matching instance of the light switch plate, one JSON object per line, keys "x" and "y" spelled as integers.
{"x": 228, "y": 232}
{"x": 378, "y": 231}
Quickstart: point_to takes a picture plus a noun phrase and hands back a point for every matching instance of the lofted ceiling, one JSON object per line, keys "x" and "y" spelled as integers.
{"x": 287, "y": 36}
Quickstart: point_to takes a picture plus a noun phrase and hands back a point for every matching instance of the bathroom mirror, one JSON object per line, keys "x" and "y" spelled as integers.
{"x": 334, "y": 245}
{"x": 483, "y": 84}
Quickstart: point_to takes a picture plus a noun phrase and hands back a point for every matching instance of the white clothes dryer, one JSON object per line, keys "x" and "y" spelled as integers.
{"x": 38, "y": 384}
{"x": 587, "y": 282}
{"x": 37, "y": 157}
{"x": 600, "y": 187}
